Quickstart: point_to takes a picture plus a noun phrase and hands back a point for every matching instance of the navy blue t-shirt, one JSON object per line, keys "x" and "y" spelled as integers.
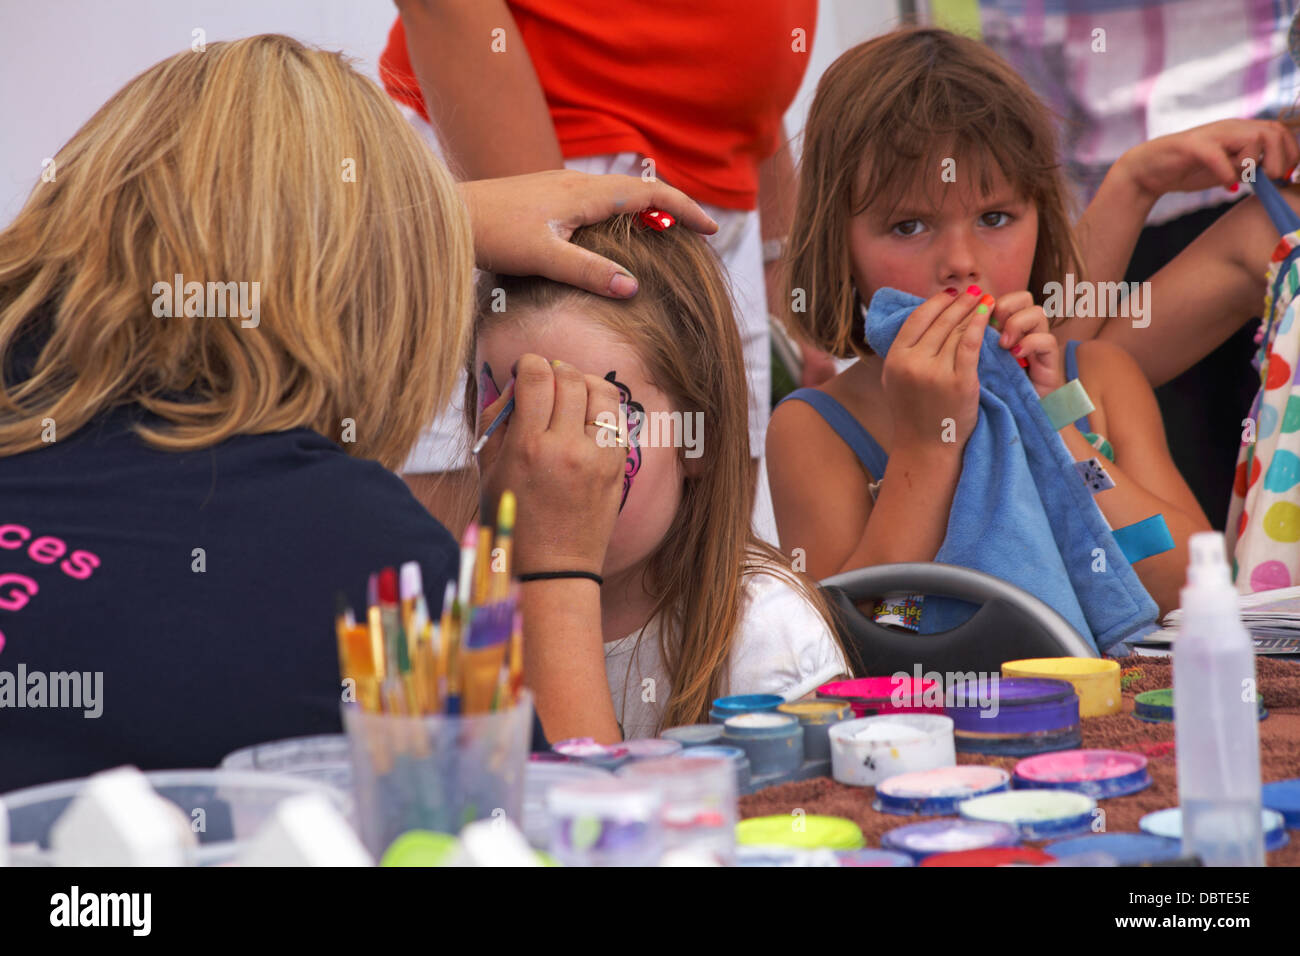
{"x": 200, "y": 586}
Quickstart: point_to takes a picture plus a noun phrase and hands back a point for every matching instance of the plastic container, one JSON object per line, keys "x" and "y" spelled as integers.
{"x": 871, "y": 749}
{"x": 1036, "y": 814}
{"x": 699, "y": 802}
{"x": 1169, "y": 824}
{"x": 919, "y": 840}
{"x": 610, "y": 822}
{"x": 1098, "y": 773}
{"x": 437, "y": 773}
{"x": 695, "y": 735}
{"x": 804, "y": 832}
{"x": 773, "y": 742}
{"x": 934, "y": 793}
{"x": 325, "y": 758}
{"x": 1095, "y": 680}
{"x": 585, "y": 750}
{"x": 1028, "y": 715}
{"x": 724, "y": 707}
{"x": 734, "y": 756}
{"x": 539, "y": 777}
{"x": 816, "y": 717}
{"x": 226, "y": 807}
{"x": 1126, "y": 849}
{"x": 650, "y": 748}
{"x": 1217, "y": 716}
{"x": 871, "y": 696}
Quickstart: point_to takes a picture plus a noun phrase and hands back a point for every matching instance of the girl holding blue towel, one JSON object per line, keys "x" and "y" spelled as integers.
{"x": 931, "y": 172}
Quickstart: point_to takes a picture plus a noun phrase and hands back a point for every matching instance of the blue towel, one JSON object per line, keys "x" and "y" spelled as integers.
{"x": 1021, "y": 512}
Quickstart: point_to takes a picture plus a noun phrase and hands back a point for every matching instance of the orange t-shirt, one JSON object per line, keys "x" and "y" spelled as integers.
{"x": 699, "y": 86}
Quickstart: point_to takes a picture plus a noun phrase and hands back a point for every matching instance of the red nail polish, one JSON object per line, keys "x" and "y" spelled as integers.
{"x": 1290, "y": 172}
{"x": 1016, "y": 350}
{"x": 1234, "y": 187}
{"x": 974, "y": 290}
{"x": 1024, "y": 362}
{"x": 950, "y": 291}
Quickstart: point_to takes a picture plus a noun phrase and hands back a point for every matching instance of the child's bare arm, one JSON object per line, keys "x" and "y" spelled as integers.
{"x": 1204, "y": 295}
{"x": 1146, "y": 480}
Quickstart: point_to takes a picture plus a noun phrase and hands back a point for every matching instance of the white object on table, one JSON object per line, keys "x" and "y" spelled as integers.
{"x": 495, "y": 842}
{"x": 118, "y": 819}
{"x": 305, "y": 831}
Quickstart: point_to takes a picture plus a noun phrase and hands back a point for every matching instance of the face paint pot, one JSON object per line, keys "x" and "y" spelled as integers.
{"x": 540, "y": 776}
{"x": 816, "y": 718}
{"x": 699, "y": 802}
{"x": 1157, "y": 706}
{"x": 1169, "y": 824}
{"x": 1095, "y": 680}
{"x": 995, "y": 856}
{"x": 773, "y": 742}
{"x": 1023, "y": 716}
{"x": 724, "y": 707}
{"x": 734, "y": 756}
{"x": 1097, "y": 773}
{"x": 871, "y": 749}
{"x": 1036, "y": 814}
{"x": 586, "y": 750}
{"x": 1284, "y": 797}
{"x": 606, "y": 823}
{"x": 869, "y": 857}
{"x": 869, "y": 696}
{"x": 695, "y": 735}
{"x": 1125, "y": 849}
{"x": 936, "y": 793}
{"x": 811, "y": 832}
{"x": 949, "y": 835}
{"x": 650, "y": 748}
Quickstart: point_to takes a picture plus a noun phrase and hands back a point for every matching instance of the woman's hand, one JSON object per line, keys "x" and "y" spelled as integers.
{"x": 568, "y": 485}
{"x": 1211, "y": 155}
{"x": 930, "y": 374}
{"x": 1027, "y": 335}
{"x": 522, "y": 224}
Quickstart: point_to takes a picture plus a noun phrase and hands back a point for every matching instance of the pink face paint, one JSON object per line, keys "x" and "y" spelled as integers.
{"x": 635, "y": 418}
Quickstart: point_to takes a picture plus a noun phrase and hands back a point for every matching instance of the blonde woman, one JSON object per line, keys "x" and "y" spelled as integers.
{"x": 222, "y": 321}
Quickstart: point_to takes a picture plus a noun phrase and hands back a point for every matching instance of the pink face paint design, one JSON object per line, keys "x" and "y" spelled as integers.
{"x": 635, "y": 417}
{"x": 487, "y": 387}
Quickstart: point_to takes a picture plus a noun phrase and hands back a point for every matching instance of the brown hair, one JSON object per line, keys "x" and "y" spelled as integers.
{"x": 888, "y": 109}
{"x": 232, "y": 165}
{"x": 682, "y": 326}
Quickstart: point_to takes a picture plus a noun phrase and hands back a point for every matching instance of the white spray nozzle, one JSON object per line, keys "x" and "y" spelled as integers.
{"x": 1207, "y": 562}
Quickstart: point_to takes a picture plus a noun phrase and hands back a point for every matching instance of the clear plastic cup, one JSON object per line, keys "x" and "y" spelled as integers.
{"x": 225, "y": 809}
{"x": 436, "y": 773}
{"x": 325, "y": 758}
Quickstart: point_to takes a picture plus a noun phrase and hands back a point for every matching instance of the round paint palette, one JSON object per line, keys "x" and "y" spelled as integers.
{"x": 1157, "y": 706}
{"x": 868, "y": 750}
{"x": 806, "y": 833}
{"x": 886, "y": 695}
{"x": 919, "y": 840}
{"x": 1017, "y": 717}
{"x": 934, "y": 793}
{"x": 1169, "y": 823}
{"x": 1097, "y": 773}
{"x": 1126, "y": 849}
{"x": 996, "y": 856}
{"x": 1036, "y": 814}
{"x": 694, "y": 735}
{"x": 1284, "y": 797}
{"x": 870, "y": 857}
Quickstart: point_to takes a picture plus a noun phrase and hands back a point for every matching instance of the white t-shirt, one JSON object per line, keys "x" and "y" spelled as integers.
{"x": 783, "y": 647}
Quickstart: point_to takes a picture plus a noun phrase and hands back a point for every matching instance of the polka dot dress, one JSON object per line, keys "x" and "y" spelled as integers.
{"x": 1265, "y": 509}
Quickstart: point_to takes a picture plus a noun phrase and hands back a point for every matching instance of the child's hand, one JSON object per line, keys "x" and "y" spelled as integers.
{"x": 930, "y": 375}
{"x": 1026, "y": 335}
{"x": 1211, "y": 155}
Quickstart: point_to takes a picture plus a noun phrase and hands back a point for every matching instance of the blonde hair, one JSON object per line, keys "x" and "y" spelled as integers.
{"x": 682, "y": 327}
{"x": 258, "y": 160}
{"x": 894, "y": 106}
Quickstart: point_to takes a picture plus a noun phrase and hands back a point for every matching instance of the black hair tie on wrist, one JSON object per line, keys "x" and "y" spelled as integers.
{"x": 553, "y": 575}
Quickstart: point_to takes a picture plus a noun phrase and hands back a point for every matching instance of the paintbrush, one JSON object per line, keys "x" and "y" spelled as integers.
{"x": 496, "y": 423}
{"x": 505, "y": 542}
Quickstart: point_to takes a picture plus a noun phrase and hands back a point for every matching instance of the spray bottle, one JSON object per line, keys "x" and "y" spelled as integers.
{"x": 1216, "y": 716}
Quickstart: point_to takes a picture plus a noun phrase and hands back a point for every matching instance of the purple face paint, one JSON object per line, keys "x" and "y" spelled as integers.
{"x": 487, "y": 387}
{"x": 635, "y": 417}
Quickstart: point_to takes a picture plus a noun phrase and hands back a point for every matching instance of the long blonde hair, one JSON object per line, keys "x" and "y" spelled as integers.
{"x": 682, "y": 327}
{"x": 891, "y": 108}
{"x": 258, "y": 160}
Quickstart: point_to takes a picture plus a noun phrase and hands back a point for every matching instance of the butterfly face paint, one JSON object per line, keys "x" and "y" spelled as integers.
{"x": 487, "y": 387}
{"x": 635, "y": 417}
